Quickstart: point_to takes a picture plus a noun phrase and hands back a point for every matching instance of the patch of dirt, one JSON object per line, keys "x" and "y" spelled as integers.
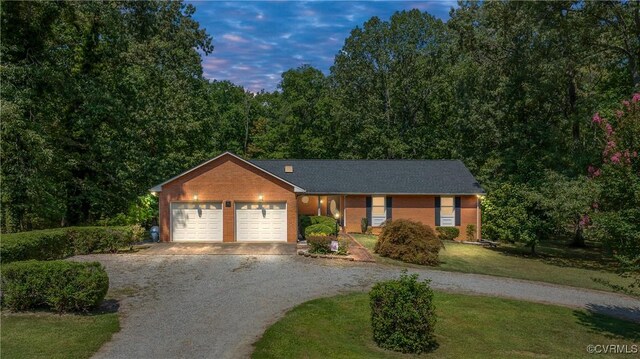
{"x": 246, "y": 264}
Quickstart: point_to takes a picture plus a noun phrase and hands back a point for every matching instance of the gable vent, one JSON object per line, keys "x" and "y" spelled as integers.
{"x": 288, "y": 169}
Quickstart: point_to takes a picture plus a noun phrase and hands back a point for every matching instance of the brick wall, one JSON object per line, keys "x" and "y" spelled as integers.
{"x": 227, "y": 179}
{"x": 414, "y": 207}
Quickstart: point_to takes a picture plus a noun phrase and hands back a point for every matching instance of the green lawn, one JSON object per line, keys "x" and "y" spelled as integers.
{"x": 554, "y": 263}
{"x": 48, "y": 335}
{"x": 468, "y": 326}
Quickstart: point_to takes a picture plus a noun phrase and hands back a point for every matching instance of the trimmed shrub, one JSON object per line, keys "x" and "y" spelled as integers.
{"x": 303, "y": 223}
{"x": 60, "y": 243}
{"x": 409, "y": 241}
{"x": 319, "y": 230}
{"x": 320, "y": 244}
{"x": 471, "y": 232}
{"x": 447, "y": 233}
{"x": 403, "y": 315}
{"x": 327, "y": 221}
{"x": 41, "y": 245}
{"x": 364, "y": 225}
{"x": 58, "y": 285}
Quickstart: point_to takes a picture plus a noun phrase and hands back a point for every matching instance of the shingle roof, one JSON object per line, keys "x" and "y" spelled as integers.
{"x": 376, "y": 176}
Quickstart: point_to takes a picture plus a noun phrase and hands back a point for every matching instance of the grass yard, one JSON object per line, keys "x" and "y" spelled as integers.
{"x": 468, "y": 326}
{"x": 49, "y": 335}
{"x": 554, "y": 263}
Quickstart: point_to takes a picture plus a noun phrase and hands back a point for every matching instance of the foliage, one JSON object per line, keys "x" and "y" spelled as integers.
{"x": 510, "y": 215}
{"x": 41, "y": 245}
{"x": 325, "y": 220}
{"x": 364, "y": 225}
{"x": 143, "y": 211}
{"x": 447, "y": 233}
{"x": 60, "y": 243}
{"x": 403, "y": 315}
{"x": 100, "y": 101}
{"x": 321, "y": 225}
{"x": 471, "y": 232}
{"x": 566, "y": 204}
{"x": 320, "y": 244}
{"x": 343, "y": 246}
{"x": 59, "y": 285}
{"x": 319, "y": 230}
{"x": 303, "y": 223}
{"x": 615, "y": 220}
{"x": 409, "y": 241}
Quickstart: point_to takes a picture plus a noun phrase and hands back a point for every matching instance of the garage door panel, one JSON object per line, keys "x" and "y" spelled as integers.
{"x": 196, "y": 222}
{"x": 261, "y": 222}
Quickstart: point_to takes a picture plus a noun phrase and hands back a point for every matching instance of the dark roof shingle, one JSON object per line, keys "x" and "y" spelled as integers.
{"x": 376, "y": 176}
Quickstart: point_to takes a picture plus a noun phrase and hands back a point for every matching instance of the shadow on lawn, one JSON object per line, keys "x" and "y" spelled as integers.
{"x": 107, "y": 306}
{"x": 559, "y": 253}
{"x": 597, "y": 318}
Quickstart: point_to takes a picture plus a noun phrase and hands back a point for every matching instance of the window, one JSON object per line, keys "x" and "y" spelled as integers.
{"x": 447, "y": 212}
{"x": 378, "y": 210}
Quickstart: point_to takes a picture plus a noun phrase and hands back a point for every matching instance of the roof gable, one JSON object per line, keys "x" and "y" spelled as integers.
{"x": 158, "y": 187}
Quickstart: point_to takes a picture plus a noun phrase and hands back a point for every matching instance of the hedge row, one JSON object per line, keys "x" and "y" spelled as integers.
{"x": 58, "y": 285}
{"x": 60, "y": 243}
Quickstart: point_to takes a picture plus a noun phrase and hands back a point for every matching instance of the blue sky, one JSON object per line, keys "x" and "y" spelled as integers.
{"x": 255, "y": 41}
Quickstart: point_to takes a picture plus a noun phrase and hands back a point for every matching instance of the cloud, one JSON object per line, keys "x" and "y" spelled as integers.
{"x": 234, "y": 38}
{"x": 255, "y": 41}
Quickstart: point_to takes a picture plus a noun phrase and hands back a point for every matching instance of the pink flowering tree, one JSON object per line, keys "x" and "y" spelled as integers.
{"x": 616, "y": 217}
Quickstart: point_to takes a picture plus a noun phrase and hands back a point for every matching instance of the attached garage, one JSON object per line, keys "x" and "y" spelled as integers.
{"x": 196, "y": 222}
{"x": 261, "y": 222}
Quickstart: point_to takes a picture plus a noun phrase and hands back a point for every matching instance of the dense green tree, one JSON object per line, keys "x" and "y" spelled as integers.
{"x": 387, "y": 80}
{"x": 103, "y": 100}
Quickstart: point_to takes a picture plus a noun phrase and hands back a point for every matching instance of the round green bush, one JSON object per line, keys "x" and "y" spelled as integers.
{"x": 58, "y": 285}
{"x": 327, "y": 221}
{"x": 319, "y": 229}
{"x": 408, "y": 241}
{"x": 403, "y": 315}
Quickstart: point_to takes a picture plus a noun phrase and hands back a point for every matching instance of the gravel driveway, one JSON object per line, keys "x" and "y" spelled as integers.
{"x": 199, "y": 306}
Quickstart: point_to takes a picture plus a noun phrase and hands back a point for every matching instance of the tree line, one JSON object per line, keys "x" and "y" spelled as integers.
{"x": 102, "y": 100}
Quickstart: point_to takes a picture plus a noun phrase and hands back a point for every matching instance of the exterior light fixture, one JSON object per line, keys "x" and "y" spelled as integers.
{"x": 195, "y": 197}
{"x": 337, "y": 216}
{"x": 260, "y": 198}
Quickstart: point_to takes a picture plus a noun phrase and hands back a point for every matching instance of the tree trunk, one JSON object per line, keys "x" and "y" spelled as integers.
{"x": 533, "y": 248}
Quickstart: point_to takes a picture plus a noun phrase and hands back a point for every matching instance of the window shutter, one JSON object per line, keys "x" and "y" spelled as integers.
{"x": 437, "y": 211}
{"x": 389, "y": 206}
{"x": 457, "y": 211}
{"x": 369, "y": 210}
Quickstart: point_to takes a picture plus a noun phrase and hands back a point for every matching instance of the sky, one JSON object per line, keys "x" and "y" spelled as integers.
{"x": 256, "y": 41}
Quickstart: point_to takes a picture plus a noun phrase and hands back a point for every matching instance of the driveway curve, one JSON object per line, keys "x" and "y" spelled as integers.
{"x": 200, "y": 306}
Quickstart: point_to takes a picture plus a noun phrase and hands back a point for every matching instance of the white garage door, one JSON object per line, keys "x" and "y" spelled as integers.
{"x": 261, "y": 222}
{"x": 196, "y": 222}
